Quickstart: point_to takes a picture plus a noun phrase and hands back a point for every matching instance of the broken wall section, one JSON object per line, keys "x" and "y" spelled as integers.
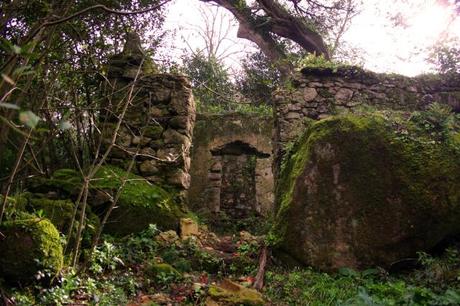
{"x": 157, "y": 127}
{"x": 317, "y": 93}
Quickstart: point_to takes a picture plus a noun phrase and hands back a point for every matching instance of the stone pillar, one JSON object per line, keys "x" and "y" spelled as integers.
{"x": 158, "y": 124}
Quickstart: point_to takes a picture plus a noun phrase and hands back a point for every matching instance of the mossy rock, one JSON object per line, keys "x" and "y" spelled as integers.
{"x": 28, "y": 246}
{"x": 60, "y": 213}
{"x": 67, "y": 182}
{"x": 369, "y": 190}
{"x": 230, "y": 293}
{"x": 140, "y": 203}
{"x": 159, "y": 269}
{"x": 15, "y": 203}
{"x": 153, "y": 131}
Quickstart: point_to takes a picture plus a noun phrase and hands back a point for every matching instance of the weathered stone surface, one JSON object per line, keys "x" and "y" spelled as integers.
{"x": 158, "y": 124}
{"x": 162, "y": 95}
{"x": 139, "y": 140}
{"x": 167, "y": 237}
{"x": 264, "y": 187}
{"x": 322, "y": 92}
{"x": 344, "y": 94}
{"x": 231, "y": 293}
{"x": 173, "y": 137}
{"x": 156, "y": 111}
{"x": 225, "y": 154}
{"x": 147, "y": 153}
{"x": 214, "y": 176}
{"x": 169, "y": 154}
{"x": 216, "y": 167}
{"x": 357, "y": 193}
{"x": 188, "y": 228}
{"x": 292, "y": 115}
{"x": 149, "y": 167}
{"x": 309, "y": 94}
{"x": 179, "y": 178}
{"x": 180, "y": 122}
{"x": 153, "y": 131}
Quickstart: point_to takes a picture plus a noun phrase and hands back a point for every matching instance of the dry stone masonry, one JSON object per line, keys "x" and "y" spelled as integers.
{"x": 231, "y": 165}
{"x": 158, "y": 123}
{"x": 320, "y": 92}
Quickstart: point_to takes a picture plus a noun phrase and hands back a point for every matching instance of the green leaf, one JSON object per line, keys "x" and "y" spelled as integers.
{"x": 65, "y": 125}
{"x": 348, "y": 272}
{"x": 29, "y": 118}
{"x": 22, "y": 70}
{"x": 9, "y": 105}
{"x": 8, "y": 79}
{"x": 16, "y": 49}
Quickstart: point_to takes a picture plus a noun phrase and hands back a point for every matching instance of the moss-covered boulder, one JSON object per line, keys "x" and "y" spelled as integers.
{"x": 60, "y": 213}
{"x": 231, "y": 293}
{"x": 28, "y": 246}
{"x": 159, "y": 270}
{"x": 369, "y": 190}
{"x": 65, "y": 182}
{"x": 139, "y": 204}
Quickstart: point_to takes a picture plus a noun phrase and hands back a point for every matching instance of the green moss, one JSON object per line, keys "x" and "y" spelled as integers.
{"x": 140, "y": 202}
{"x": 235, "y": 294}
{"x": 15, "y": 203}
{"x": 392, "y": 154}
{"x": 60, "y": 213}
{"x": 153, "y": 131}
{"x": 159, "y": 269}
{"x": 66, "y": 180}
{"x": 28, "y": 246}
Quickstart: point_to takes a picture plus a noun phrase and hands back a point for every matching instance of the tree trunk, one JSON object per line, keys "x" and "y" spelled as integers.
{"x": 279, "y": 21}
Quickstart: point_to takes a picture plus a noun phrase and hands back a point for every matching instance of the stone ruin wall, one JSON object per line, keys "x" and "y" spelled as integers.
{"x": 232, "y": 165}
{"x": 232, "y": 154}
{"x": 158, "y": 124}
{"x": 320, "y": 92}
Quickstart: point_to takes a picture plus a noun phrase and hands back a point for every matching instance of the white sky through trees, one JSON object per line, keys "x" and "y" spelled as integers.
{"x": 384, "y": 47}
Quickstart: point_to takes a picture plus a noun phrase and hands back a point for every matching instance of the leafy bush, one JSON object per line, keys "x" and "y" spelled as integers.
{"x": 436, "y": 283}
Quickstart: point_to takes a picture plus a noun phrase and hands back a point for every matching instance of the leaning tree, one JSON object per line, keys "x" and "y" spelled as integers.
{"x": 305, "y": 22}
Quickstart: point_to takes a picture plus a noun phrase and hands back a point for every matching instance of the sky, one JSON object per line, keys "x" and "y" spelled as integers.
{"x": 383, "y": 47}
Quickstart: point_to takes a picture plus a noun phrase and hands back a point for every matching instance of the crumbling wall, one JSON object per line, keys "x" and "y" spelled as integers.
{"x": 158, "y": 117}
{"x": 320, "y": 92}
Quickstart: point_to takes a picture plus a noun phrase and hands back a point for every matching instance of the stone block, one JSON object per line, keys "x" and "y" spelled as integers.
{"x": 344, "y": 94}
{"x": 171, "y": 136}
{"x": 180, "y": 122}
{"x": 139, "y": 140}
{"x": 179, "y": 178}
{"x": 149, "y": 167}
{"x": 292, "y": 115}
{"x": 214, "y": 176}
{"x": 188, "y": 228}
{"x": 156, "y": 112}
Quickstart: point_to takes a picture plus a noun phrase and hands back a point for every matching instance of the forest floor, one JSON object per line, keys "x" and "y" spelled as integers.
{"x": 162, "y": 268}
